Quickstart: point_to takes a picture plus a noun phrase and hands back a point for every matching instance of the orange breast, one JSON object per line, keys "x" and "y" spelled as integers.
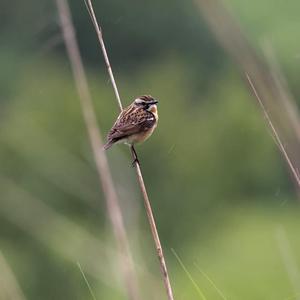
{"x": 153, "y": 109}
{"x": 142, "y": 136}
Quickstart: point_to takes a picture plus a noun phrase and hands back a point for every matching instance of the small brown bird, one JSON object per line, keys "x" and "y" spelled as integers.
{"x": 135, "y": 123}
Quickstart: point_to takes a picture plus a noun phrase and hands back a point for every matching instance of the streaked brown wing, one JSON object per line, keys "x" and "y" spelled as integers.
{"x": 128, "y": 124}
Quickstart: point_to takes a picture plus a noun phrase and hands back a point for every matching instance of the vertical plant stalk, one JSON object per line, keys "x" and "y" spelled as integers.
{"x": 265, "y": 80}
{"x": 147, "y": 203}
{"x": 94, "y": 133}
{"x": 275, "y": 133}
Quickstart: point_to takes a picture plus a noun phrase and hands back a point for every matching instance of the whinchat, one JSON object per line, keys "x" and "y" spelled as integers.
{"x": 135, "y": 123}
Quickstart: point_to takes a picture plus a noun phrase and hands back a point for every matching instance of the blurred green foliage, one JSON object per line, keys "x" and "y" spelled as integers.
{"x": 218, "y": 185}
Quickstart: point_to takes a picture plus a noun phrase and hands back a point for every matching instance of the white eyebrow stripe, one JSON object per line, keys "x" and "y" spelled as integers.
{"x": 139, "y": 100}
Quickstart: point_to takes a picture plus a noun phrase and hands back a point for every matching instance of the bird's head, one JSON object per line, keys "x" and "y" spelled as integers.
{"x": 146, "y": 102}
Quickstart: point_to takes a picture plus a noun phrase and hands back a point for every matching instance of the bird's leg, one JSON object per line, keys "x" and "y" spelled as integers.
{"x": 135, "y": 158}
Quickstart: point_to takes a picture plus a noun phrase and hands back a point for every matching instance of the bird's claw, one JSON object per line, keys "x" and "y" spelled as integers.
{"x": 134, "y": 162}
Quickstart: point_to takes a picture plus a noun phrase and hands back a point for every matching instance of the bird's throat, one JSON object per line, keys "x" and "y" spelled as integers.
{"x": 153, "y": 109}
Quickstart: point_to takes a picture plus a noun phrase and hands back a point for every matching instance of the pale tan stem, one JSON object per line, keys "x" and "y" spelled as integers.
{"x": 274, "y": 132}
{"x": 148, "y": 208}
{"x": 160, "y": 254}
{"x": 94, "y": 133}
{"x": 103, "y": 48}
{"x": 274, "y": 98}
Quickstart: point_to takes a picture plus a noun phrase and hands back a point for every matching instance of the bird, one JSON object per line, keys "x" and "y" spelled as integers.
{"x": 135, "y": 123}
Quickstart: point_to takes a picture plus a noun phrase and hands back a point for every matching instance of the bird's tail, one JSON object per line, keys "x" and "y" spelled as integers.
{"x": 108, "y": 145}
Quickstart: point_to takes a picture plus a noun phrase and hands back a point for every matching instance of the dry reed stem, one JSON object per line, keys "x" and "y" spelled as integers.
{"x": 285, "y": 96}
{"x": 147, "y": 203}
{"x": 274, "y": 131}
{"x": 89, "y": 116}
{"x": 264, "y": 78}
{"x": 57, "y": 235}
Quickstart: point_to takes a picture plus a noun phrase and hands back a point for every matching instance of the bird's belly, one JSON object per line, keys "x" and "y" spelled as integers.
{"x": 141, "y": 136}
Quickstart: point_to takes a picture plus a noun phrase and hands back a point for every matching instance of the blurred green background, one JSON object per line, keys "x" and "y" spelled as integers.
{"x": 220, "y": 190}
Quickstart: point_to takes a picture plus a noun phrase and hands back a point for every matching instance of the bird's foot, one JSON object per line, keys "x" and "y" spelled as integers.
{"x": 135, "y": 161}
{"x": 135, "y": 158}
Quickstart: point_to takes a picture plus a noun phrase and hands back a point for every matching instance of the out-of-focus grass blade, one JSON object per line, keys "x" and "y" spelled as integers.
{"x": 211, "y": 282}
{"x": 189, "y": 275}
{"x": 86, "y": 281}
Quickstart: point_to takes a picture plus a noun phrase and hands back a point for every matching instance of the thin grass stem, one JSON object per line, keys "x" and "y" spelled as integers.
{"x": 265, "y": 78}
{"x": 86, "y": 282}
{"x": 95, "y": 138}
{"x": 189, "y": 275}
{"x": 147, "y": 204}
{"x": 274, "y": 131}
{"x": 211, "y": 282}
